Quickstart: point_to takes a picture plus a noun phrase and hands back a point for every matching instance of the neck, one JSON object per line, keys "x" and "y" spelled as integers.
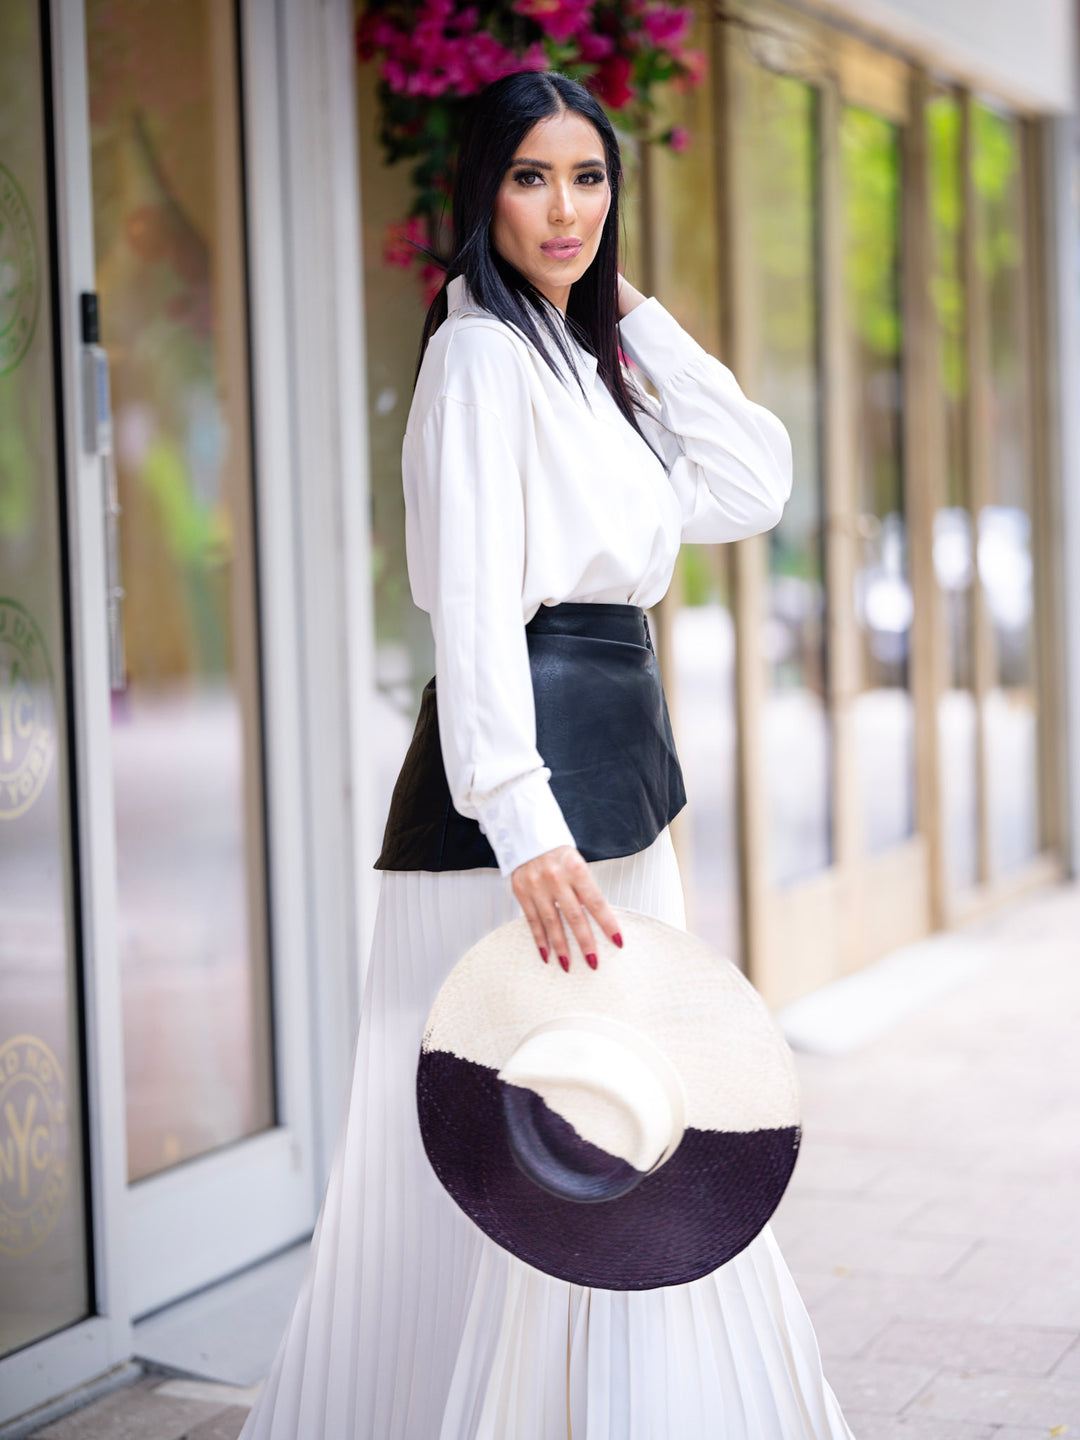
{"x": 559, "y": 295}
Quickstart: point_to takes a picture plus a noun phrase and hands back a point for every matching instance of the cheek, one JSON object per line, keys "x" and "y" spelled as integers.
{"x": 511, "y": 214}
{"x": 601, "y": 206}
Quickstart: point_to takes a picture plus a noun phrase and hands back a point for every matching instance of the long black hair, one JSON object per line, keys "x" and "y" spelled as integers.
{"x": 497, "y": 120}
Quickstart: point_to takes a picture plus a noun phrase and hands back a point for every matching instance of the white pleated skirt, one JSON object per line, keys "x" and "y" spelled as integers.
{"x": 412, "y": 1325}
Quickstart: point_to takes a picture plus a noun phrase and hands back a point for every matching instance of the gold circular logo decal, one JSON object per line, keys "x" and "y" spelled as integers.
{"x": 33, "y": 1143}
{"x": 19, "y": 287}
{"x": 27, "y": 732}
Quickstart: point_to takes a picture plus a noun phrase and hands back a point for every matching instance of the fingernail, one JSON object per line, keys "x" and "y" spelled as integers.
{"x": 618, "y": 939}
{"x": 564, "y": 961}
{"x": 543, "y": 955}
{"x": 592, "y": 960}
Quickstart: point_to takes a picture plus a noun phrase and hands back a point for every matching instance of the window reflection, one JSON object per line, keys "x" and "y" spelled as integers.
{"x": 1004, "y": 546}
{"x": 44, "y": 1274}
{"x": 781, "y": 216}
{"x": 701, "y": 629}
{"x": 703, "y": 646}
{"x": 169, "y": 249}
{"x": 953, "y": 534}
{"x": 883, "y": 712}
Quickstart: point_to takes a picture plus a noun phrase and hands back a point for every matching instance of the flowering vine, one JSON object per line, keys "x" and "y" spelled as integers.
{"x": 434, "y": 54}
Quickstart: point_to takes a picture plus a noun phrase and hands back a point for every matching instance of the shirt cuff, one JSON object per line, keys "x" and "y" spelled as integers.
{"x": 655, "y": 340}
{"x": 523, "y": 819}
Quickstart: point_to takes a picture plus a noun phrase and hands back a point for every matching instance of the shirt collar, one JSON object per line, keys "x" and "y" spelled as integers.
{"x": 460, "y": 300}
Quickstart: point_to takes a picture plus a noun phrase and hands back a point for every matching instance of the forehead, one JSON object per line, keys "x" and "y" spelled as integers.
{"x": 558, "y": 135}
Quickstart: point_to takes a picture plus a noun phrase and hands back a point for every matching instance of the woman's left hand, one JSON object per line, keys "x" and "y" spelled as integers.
{"x": 558, "y": 886}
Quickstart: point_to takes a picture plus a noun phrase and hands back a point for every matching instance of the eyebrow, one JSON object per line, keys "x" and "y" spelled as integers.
{"x": 546, "y": 164}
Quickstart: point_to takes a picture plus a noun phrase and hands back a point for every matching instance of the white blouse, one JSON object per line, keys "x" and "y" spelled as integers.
{"x": 520, "y": 494}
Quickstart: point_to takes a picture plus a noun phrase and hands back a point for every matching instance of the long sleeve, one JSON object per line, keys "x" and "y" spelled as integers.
{"x": 466, "y": 539}
{"x": 728, "y": 458}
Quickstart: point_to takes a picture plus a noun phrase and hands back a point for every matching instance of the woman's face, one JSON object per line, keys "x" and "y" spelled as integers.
{"x": 551, "y": 206}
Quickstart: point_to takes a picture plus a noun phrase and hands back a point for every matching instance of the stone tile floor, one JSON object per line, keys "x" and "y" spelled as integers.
{"x": 931, "y": 1221}
{"x": 930, "y": 1224}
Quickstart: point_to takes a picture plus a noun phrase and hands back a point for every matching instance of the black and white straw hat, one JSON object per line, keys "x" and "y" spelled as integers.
{"x": 624, "y": 1128}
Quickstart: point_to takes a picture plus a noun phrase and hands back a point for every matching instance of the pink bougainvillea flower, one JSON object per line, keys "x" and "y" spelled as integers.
{"x": 491, "y": 60}
{"x": 612, "y": 82}
{"x": 375, "y": 32}
{"x": 696, "y": 65}
{"x": 561, "y": 19}
{"x": 666, "y": 24}
{"x": 593, "y": 46}
{"x": 397, "y": 250}
{"x": 427, "y": 62}
{"x": 678, "y": 138}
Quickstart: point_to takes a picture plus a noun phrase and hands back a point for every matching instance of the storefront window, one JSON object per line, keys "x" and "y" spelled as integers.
{"x": 394, "y": 319}
{"x": 954, "y": 532}
{"x": 883, "y": 711}
{"x": 697, "y": 620}
{"x": 44, "y": 1281}
{"x": 703, "y": 655}
{"x": 169, "y": 246}
{"x": 1004, "y": 548}
{"x": 780, "y": 118}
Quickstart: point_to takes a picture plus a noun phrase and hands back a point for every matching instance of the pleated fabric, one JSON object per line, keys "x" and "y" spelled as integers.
{"x": 411, "y": 1324}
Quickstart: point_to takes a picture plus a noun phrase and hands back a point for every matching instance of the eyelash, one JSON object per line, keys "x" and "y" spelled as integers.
{"x": 596, "y": 177}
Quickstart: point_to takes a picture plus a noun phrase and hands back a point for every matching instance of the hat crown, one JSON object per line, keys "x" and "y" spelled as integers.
{"x": 594, "y": 1087}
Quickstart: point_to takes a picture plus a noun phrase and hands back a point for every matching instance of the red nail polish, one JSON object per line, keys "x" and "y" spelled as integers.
{"x": 617, "y": 939}
{"x": 564, "y": 961}
{"x": 543, "y": 955}
{"x": 592, "y": 960}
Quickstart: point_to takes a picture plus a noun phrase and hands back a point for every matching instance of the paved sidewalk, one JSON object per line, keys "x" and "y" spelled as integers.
{"x": 932, "y": 1219}
{"x": 930, "y": 1223}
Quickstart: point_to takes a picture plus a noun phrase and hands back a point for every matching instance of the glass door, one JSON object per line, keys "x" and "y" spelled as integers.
{"x": 169, "y": 251}
{"x": 207, "y": 1139}
{"x": 45, "y": 1268}
{"x": 156, "y": 1107}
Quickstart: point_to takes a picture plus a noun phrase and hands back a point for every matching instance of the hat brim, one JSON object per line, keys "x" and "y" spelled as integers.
{"x": 691, "y": 1216}
{"x": 708, "y": 1200}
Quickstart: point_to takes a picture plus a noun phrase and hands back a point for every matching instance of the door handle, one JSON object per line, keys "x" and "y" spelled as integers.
{"x": 98, "y": 439}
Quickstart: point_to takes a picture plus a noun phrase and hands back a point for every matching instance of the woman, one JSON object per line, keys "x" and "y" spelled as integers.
{"x": 540, "y": 480}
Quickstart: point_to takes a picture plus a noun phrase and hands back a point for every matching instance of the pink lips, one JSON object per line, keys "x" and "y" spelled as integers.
{"x": 561, "y": 249}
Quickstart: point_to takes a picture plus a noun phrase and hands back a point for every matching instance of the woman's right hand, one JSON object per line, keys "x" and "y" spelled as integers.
{"x": 558, "y": 887}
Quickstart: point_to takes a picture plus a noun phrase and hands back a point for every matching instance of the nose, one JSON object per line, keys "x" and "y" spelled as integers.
{"x": 562, "y": 202}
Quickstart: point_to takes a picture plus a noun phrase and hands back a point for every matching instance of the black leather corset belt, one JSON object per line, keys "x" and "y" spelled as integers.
{"x": 602, "y": 728}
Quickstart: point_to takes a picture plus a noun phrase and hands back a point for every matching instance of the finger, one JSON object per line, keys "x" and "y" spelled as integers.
{"x": 532, "y": 915}
{"x": 549, "y": 914}
{"x": 592, "y": 897}
{"x": 573, "y": 913}
{"x": 603, "y": 914}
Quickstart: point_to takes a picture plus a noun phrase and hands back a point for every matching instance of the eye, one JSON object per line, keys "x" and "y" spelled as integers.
{"x": 591, "y": 177}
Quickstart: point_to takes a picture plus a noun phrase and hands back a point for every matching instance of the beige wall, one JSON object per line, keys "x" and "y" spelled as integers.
{"x": 1024, "y": 50}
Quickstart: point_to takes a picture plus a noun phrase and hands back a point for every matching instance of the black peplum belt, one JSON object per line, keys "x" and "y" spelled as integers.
{"x": 602, "y": 728}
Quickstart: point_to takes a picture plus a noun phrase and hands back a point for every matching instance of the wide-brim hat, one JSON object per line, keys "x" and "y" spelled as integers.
{"x": 624, "y": 1128}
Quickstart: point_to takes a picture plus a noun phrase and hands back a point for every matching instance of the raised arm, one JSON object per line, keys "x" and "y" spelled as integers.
{"x": 728, "y": 458}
